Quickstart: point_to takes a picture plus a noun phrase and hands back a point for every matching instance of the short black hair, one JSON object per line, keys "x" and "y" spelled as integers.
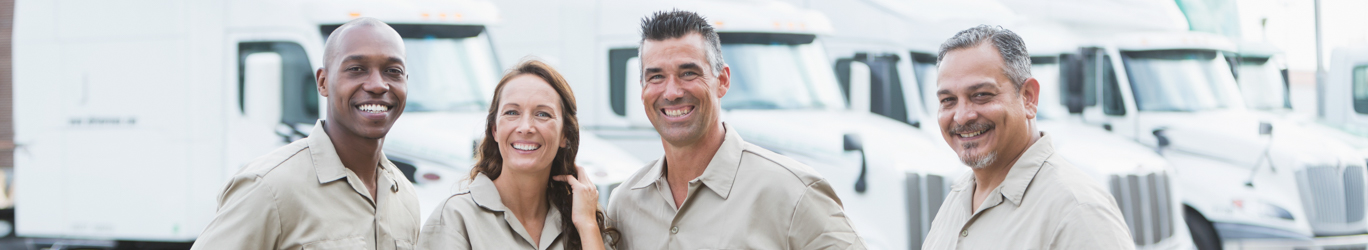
{"x": 679, "y": 23}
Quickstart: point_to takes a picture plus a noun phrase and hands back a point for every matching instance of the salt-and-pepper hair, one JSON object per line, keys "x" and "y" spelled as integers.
{"x": 679, "y": 23}
{"x": 1016, "y": 61}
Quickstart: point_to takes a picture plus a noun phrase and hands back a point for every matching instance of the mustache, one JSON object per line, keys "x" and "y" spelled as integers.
{"x": 971, "y": 127}
{"x": 686, "y": 99}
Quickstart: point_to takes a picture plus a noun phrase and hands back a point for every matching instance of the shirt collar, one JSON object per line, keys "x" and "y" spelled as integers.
{"x": 1024, "y": 170}
{"x": 484, "y": 193}
{"x": 326, "y": 162}
{"x": 721, "y": 170}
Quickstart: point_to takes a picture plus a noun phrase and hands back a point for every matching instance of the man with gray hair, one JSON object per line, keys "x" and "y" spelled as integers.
{"x": 1020, "y": 195}
{"x": 712, "y": 189}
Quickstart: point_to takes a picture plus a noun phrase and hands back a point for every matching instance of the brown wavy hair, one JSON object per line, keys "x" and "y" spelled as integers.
{"x": 490, "y": 163}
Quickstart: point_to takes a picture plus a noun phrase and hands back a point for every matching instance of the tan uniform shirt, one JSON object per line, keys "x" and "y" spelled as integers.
{"x": 1064, "y": 209}
{"x": 747, "y": 198}
{"x": 301, "y": 197}
{"x": 478, "y": 219}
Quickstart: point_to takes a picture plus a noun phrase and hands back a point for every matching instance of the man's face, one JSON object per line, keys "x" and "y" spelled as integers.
{"x": 983, "y": 116}
{"x": 679, "y": 90}
{"x": 366, "y": 82}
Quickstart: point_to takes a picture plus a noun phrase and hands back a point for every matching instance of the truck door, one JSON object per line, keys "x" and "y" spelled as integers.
{"x": 1103, "y": 102}
{"x": 277, "y": 99}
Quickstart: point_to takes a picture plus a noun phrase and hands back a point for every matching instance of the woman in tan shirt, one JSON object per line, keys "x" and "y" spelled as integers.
{"x": 525, "y": 190}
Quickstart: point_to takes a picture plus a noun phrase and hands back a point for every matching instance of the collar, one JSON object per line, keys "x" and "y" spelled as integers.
{"x": 1013, "y": 187}
{"x": 720, "y": 172}
{"x": 326, "y": 162}
{"x": 484, "y": 193}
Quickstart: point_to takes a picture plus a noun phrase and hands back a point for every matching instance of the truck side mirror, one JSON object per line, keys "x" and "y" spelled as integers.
{"x": 1071, "y": 82}
{"x": 1162, "y": 140}
{"x": 852, "y": 143}
{"x": 1265, "y": 128}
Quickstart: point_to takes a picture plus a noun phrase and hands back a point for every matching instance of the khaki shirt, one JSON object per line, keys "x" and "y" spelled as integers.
{"x": 478, "y": 219}
{"x": 301, "y": 197}
{"x": 747, "y": 198}
{"x": 1064, "y": 209}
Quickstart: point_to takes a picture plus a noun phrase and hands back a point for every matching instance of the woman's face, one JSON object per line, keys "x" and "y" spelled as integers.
{"x": 528, "y": 125}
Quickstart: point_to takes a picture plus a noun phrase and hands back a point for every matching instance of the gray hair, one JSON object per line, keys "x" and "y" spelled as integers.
{"x": 678, "y": 23}
{"x": 1016, "y": 61}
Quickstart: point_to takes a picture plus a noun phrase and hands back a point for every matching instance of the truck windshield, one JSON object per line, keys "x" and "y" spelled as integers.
{"x": 1180, "y": 80}
{"x": 780, "y": 76}
{"x": 450, "y": 74}
{"x": 1261, "y": 84}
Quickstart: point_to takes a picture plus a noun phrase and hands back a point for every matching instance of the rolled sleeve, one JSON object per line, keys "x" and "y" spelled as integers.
{"x": 819, "y": 222}
{"x": 248, "y": 218}
{"x": 1091, "y": 226}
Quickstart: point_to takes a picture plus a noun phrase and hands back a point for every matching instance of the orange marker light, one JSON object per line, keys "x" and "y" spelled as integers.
{"x": 354, "y": 14}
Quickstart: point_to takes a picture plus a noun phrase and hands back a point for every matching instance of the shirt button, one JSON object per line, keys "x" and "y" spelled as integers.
{"x": 394, "y": 187}
{"x": 674, "y": 230}
{"x": 964, "y": 233}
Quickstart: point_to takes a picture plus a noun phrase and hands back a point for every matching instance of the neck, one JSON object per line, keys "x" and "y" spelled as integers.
{"x": 686, "y": 162}
{"x": 360, "y": 155}
{"x": 523, "y": 193}
{"x": 991, "y": 176}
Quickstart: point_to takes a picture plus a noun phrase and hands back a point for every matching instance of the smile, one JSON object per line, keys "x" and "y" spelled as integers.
{"x": 677, "y": 112}
{"x": 972, "y": 134}
{"x": 373, "y": 108}
{"x": 526, "y": 146}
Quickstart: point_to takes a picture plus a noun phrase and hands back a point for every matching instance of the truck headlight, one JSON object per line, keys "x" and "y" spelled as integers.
{"x": 1262, "y": 208}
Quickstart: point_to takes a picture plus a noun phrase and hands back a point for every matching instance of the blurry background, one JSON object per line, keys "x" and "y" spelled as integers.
{"x": 1213, "y": 123}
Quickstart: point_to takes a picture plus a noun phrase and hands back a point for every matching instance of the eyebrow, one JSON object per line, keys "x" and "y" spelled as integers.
{"x": 388, "y": 59}
{"x": 971, "y": 87}
{"x": 693, "y": 66}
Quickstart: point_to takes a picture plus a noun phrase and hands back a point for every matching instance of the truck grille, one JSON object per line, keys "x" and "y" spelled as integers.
{"x": 925, "y": 193}
{"x": 1333, "y": 199}
{"x": 1145, "y": 203}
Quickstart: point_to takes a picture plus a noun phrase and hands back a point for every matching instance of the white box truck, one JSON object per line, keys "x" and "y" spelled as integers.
{"x": 131, "y": 117}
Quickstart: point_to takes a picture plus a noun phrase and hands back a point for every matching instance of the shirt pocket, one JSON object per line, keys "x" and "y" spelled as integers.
{"x": 349, "y": 243}
{"x": 403, "y": 245}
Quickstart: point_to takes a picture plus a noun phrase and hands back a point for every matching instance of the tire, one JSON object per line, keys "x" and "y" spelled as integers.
{"x": 1203, "y": 233}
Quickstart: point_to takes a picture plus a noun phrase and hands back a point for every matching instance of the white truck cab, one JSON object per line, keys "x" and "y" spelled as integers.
{"x": 1254, "y": 181}
{"x": 111, "y": 151}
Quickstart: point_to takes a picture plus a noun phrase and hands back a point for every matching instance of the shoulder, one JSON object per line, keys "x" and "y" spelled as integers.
{"x": 1072, "y": 186}
{"x": 252, "y": 178}
{"x": 294, "y": 155}
{"x": 782, "y": 169}
{"x": 455, "y": 208}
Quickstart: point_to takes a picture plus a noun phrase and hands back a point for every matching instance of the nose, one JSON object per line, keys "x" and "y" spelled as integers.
{"x": 963, "y": 113}
{"x": 375, "y": 83}
{"x": 673, "y": 91}
{"x": 524, "y": 126}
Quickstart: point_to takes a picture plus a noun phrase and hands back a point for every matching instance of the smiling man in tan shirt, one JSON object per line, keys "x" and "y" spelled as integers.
{"x": 334, "y": 189}
{"x": 1020, "y": 195}
{"x": 713, "y": 190}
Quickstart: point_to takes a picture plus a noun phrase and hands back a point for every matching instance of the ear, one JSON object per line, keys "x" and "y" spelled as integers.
{"x": 723, "y": 81}
{"x": 1030, "y": 94}
{"x": 322, "y": 82}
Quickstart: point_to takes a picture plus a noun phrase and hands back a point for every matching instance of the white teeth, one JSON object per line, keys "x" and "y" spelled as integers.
{"x": 524, "y": 146}
{"x": 373, "y": 108}
{"x": 677, "y": 112}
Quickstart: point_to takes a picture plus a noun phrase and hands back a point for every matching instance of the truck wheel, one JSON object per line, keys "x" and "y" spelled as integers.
{"x": 1203, "y": 234}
